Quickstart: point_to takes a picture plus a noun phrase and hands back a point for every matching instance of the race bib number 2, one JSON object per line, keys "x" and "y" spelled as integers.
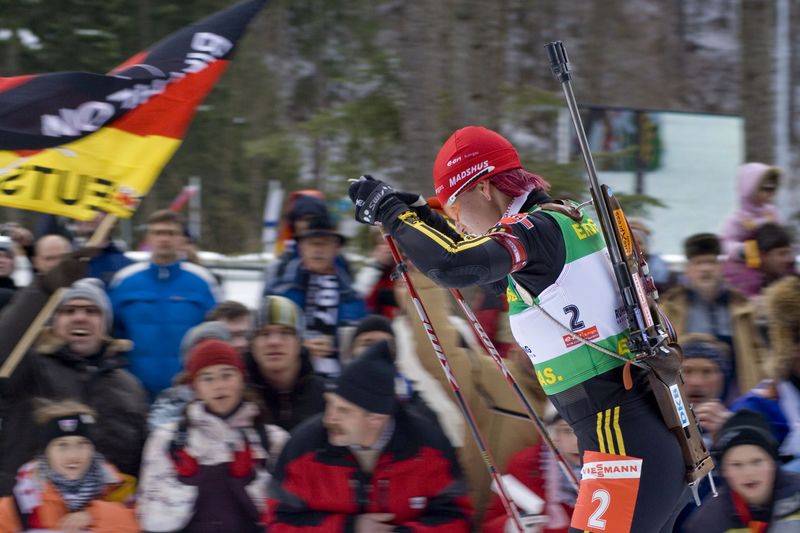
{"x": 607, "y": 497}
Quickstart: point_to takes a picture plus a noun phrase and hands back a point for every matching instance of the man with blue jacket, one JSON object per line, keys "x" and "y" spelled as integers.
{"x": 157, "y": 302}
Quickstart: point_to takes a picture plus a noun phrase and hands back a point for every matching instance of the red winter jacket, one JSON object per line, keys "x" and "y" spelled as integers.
{"x": 320, "y": 487}
{"x": 536, "y": 469}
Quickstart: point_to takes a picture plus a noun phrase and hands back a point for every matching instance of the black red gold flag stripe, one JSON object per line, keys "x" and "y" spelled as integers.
{"x": 74, "y": 143}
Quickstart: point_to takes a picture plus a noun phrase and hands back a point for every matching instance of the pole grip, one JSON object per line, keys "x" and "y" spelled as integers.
{"x": 559, "y": 62}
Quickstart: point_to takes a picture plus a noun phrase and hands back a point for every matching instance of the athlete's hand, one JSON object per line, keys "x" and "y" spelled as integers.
{"x": 367, "y": 195}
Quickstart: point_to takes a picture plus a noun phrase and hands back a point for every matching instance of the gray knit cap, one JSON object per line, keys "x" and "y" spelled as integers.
{"x": 90, "y": 289}
{"x": 213, "y": 329}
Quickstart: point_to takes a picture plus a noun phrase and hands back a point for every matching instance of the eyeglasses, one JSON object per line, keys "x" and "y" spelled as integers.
{"x": 70, "y": 310}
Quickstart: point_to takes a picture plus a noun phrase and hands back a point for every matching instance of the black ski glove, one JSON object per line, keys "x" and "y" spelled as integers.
{"x": 367, "y": 195}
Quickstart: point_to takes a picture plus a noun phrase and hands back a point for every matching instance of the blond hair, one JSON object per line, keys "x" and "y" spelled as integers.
{"x": 48, "y": 410}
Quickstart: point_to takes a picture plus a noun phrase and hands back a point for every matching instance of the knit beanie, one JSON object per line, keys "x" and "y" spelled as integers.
{"x": 280, "y": 311}
{"x": 74, "y": 425}
{"x": 368, "y": 381}
{"x": 471, "y": 154}
{"x": 373, "y": 323}
{"x": 695, "y": 346}
{"x": 746, "y": 427}
{"x": 205, "y": 330}
{"x": 90, "y": 289}
{"x": 212, "y": 352}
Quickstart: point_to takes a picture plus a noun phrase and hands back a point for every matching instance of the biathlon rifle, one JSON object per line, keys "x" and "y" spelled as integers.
{"x": 653, "y": 343}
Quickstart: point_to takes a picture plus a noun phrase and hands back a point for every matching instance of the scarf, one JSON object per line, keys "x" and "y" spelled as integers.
{"x": 77, "y": 493}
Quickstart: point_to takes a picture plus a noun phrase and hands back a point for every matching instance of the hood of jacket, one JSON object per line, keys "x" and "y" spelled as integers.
{"x": 748, "y": 179}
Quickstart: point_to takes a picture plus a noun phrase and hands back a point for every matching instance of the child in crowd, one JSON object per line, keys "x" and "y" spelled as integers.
{"x": 758, "y": 495}
{"x": 64, "y": 487}
{"x": 209, "y": 471}
{"x": 756, "y": 185}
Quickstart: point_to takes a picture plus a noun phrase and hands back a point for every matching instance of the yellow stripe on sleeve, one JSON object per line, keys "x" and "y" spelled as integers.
{"x": 438, "y": 237}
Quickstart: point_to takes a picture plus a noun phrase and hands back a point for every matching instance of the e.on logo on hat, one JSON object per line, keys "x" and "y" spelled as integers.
{"x": 469, "y": 152}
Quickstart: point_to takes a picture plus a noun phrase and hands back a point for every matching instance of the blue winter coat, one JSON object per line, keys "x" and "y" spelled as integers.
{"x": 154, "y": 306}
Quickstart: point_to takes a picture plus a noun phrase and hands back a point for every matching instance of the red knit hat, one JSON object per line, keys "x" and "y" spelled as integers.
{"x": 470, "y": 155}
{"x": 212, "y": 352}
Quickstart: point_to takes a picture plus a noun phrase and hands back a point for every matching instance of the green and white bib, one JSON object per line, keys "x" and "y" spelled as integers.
{"x": 585, "y": 299}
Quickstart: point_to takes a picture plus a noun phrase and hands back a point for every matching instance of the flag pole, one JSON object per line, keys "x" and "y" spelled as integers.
{"x": 24, "y": 344}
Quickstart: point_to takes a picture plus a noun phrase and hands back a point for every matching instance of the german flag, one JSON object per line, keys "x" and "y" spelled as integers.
{"x": 75, "y": 143}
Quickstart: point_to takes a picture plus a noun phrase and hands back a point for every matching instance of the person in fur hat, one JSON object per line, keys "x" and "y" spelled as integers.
{"x": 65, "y": 487}
{"x": 209, "y": 471}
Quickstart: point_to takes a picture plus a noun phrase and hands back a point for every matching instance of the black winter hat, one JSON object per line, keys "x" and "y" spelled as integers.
{"x": 701, "y": 244}
{"x": 321, "y": 226}
{"x": 746, "y": 427}
{"x": 373, "y": 323}
{"x": 368, "y": 381}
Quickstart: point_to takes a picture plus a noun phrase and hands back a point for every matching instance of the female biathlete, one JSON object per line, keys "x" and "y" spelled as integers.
{"x": 563, "y": 305}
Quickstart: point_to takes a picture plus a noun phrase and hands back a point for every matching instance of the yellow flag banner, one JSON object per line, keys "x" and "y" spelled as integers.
{"x": 75, "y": 143}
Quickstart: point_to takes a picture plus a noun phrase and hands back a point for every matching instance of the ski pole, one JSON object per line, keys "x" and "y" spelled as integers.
{"x": 492, "y": 351}
{"x": 488, "y": 460}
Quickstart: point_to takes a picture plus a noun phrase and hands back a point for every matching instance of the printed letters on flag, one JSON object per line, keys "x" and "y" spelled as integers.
{"x": 74, "y": 143}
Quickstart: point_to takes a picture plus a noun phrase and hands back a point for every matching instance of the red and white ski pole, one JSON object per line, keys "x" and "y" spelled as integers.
{"x": 508, "y": 504}
{"x": 492, "y": 351}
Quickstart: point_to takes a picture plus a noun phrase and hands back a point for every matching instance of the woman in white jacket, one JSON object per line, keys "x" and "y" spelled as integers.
{"x": 209, "y": 471}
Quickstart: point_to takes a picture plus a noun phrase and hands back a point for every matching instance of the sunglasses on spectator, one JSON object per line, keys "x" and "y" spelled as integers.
{"x": 69, "y": 310}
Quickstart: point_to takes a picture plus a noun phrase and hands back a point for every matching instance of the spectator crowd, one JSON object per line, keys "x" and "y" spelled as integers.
{"x": 150, "y": 403}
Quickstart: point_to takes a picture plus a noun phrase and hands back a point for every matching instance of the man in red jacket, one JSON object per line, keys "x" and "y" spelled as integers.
{"x": 368, "y": 465}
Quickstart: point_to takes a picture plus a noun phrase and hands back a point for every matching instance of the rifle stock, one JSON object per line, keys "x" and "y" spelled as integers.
{"x": 652, "y": 341}
{"x": 664, "y": 355}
